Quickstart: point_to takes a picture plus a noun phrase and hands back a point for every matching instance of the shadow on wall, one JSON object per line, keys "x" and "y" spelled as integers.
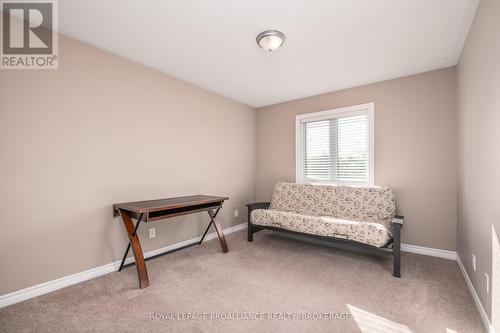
{"x": 495, "y": 280}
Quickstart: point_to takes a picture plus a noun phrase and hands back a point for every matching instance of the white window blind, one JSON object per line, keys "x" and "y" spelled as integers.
{"x": 334, "y": 146}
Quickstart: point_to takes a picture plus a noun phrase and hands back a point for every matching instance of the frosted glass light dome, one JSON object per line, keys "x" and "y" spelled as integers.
{"x": 270, "y": 40}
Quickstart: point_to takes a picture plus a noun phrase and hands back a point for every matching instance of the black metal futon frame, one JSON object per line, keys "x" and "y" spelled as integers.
{"x": 393, "y": 247}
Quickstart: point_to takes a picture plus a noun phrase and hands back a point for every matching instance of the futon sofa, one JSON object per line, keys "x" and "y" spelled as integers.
{"x": 362, "y": 217}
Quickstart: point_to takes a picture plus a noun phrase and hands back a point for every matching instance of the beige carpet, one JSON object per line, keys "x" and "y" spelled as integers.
{"x": 273, "y": 276}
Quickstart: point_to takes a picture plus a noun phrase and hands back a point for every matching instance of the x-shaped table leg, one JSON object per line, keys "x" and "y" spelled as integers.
{"x": 136, "y": 247}
{"x": 218, "y": 229}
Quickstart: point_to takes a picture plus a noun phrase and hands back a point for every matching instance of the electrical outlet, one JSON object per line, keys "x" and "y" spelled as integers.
{"x": 152, "y": 232}
{"x": 236, "y": 213}
{"x": 487, "y": 283}
{"x": 474, "y": 262}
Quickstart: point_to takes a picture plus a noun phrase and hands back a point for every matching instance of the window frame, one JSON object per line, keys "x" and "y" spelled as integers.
{"x": 368, "y": 109}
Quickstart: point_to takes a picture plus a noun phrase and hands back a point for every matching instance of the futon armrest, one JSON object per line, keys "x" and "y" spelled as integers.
{"x": 398, "y": 220}
{"x": 258, "y": 205}
{"x": 251, "y": 229}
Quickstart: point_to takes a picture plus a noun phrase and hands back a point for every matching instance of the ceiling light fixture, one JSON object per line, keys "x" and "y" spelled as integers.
{"x": 270, "y": 40}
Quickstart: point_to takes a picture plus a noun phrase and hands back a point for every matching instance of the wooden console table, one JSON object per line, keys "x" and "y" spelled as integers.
{"x": 154, "y": 210}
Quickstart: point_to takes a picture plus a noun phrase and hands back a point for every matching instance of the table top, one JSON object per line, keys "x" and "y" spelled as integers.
{"x": 168, "y": 203}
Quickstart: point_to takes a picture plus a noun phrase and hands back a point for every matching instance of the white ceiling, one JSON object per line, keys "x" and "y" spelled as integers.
{"x": 331, "y": 44}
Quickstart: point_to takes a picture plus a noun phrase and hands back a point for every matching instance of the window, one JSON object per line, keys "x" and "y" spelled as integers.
{"x": 335, "y": 146}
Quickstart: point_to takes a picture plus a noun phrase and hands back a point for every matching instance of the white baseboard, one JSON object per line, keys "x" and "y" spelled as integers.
{"x": 46, "y": 287}
{"x": 428, "y": 251}
{"x": 475, "y": 297}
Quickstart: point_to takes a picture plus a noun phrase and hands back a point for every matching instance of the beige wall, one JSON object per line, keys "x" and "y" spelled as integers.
{"x": 415, "y": 148}
{"x": 101, "y": 130}
{"x": 478, "y": 77}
